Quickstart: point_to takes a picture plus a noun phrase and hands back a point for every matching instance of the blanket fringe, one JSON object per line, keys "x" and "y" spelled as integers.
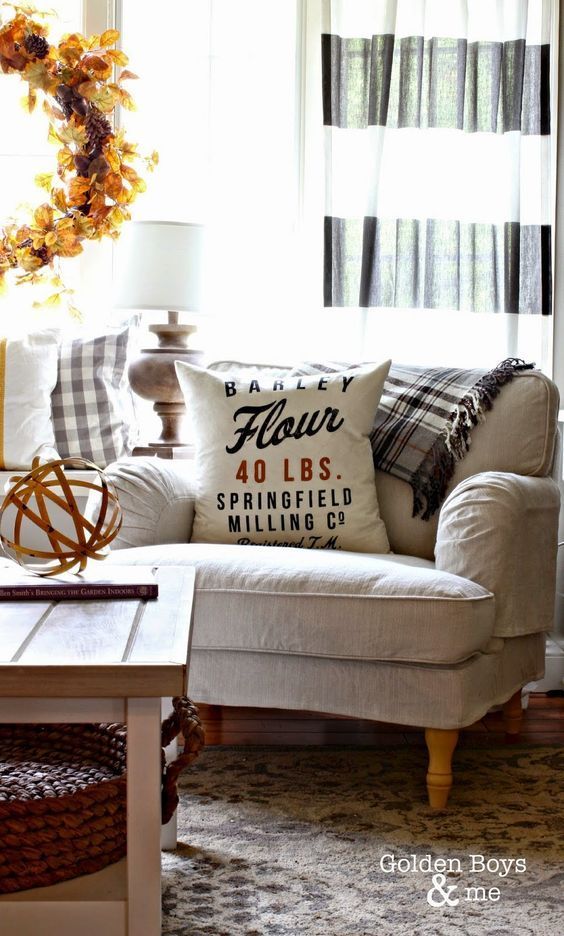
{"x": 430, "y": 482}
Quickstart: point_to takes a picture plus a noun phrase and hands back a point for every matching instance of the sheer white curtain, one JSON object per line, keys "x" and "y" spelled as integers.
{"x": 223, "y": 116}
{"x": 238, "y": 120}
{"x": 439, "y": 179}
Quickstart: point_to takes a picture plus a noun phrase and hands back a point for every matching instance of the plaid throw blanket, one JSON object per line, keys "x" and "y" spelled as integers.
{"x": 423, "y": 424}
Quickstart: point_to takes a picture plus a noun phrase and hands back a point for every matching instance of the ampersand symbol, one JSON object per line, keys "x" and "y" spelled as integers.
{"x": 439, "y": 881}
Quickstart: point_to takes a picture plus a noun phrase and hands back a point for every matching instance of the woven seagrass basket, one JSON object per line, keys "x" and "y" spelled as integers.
{"x": 63, "y": 796}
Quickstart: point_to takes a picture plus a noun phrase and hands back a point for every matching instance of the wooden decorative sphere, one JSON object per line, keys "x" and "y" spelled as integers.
{"x": 42, "y": 526}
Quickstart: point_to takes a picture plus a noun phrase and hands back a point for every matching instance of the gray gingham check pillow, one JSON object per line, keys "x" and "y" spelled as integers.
{"x": 91, "y": 404}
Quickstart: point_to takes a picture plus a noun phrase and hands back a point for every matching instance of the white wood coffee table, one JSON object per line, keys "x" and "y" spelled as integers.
{"x": 100, "y": 661}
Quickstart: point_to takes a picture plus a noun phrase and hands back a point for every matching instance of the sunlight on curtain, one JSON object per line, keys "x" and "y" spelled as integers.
{"x": 439, "y": 201}
{"x": 223, "y": 117}
{"x": 238, "y": 121}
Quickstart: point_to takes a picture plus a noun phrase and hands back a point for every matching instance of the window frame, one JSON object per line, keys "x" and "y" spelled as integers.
{"x": 558, "y": 219}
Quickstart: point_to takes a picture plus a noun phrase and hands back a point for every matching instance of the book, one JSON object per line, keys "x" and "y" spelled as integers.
{"x": 95, "y": 584}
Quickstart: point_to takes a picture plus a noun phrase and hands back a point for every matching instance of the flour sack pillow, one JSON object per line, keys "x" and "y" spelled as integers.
{"x": 28, "y": 373}
{"x": 286, "y": 461}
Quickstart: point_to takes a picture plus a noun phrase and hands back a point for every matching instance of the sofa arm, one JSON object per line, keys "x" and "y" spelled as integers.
{"x": 156, "y": 496}
{"x": 501, "y": 530}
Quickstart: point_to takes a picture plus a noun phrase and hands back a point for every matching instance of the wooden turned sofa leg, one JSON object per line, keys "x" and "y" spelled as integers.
{"x": 513, "y": 714}
{"x": 441, "y": 743}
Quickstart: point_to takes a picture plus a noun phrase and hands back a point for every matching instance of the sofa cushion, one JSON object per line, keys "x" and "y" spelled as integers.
{"x": 337, "y": 605}
{"x": 518, "y": 435}
{"x": 405, "y": 693}
{"x": 93, "y": 415}
{"x": 28, "y": 373}
{"x": 286, "y": 461}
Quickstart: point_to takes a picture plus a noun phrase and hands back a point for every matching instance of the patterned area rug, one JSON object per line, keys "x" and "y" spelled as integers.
{"x": 279, "y": 842}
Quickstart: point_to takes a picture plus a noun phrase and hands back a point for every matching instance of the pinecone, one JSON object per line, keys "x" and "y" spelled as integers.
{"x": 65, "y": 107}
{"x": 80, "y": 105}
{"x": 36, "y": 45}
{"x": 98, "y": 128}
{"x": 64, "y": 93}
{"x": 42, "y": 253}
{"x": 82, "y": 164}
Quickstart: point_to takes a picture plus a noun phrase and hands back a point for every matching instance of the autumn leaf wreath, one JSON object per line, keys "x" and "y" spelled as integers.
{"x": 94, "y": 184}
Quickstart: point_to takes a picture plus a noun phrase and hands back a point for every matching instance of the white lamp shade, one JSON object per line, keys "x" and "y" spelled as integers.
{"x": 159, "y": 265}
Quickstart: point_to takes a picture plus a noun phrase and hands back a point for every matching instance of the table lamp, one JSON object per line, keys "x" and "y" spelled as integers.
{"x": 159, "y": 265}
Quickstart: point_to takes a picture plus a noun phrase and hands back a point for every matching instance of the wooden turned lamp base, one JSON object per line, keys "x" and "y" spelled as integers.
{"x": 152, "y": 376}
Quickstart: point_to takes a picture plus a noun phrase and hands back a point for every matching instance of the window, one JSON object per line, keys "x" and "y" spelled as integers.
{"x": 221, "y": 109}
{"x": 238, "y": 120}
{"x": 233, "y": 104}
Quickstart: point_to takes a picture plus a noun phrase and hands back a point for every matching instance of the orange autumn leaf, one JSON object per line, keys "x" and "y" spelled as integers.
{"x": 29, "y": 261}
{"x": 43, "y": 216}
{"x": 128, "y": 196}
{"x": 76, "y": 199}
{"x": 98, "y": 206}
{"x": 53, "y": 136}
{"x": 65, "y": 158}
{"x": 128, "y": 149}
{"x": 116, "y": 217}
{"x": 79, "y": 185}
{"x": 105, "y": 99}
{"x": 129, "y": 173}
{"x": 113, "y": 184}
{"x": 93, "y": 42}
{"x": 96, "y": 63}
{"x": 59, "y": 199}
{"x": 44, "y": 180}
{"x": 71, "y": 249}
{"x": 38, "y": 75}
{"x": 113, "y": 159}
{"x": 83, "y": 226}
{"x": 65, "y": 224}
{"x": 137, "y": 183}
{"x": 66, "y": 240}
{"x": 22, "y": 233}
{"x": 70, "y": 54}
{"x": 55, "y": 113}
{"x": 126, "y": 100}
{"x": 73, "y": 41}
{"x": 10, "y": 57}
{"x": 73, "y": 132}
{"x": 87, "y": 89}
{"x": 29, "y": 101}
{"x": 54, "y": 300}
{"x": 109, "y": 37}
{"x": 116, "y": 56}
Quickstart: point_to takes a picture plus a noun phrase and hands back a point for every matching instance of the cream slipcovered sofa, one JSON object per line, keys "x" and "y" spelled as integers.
{"x": 433, "y": 635}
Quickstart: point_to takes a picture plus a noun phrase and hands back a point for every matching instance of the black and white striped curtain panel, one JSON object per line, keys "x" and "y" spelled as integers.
{"x": 437, "y": 135}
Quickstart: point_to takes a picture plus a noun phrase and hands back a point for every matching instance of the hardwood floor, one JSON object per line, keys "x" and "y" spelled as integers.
{"x": 543, "y": 723}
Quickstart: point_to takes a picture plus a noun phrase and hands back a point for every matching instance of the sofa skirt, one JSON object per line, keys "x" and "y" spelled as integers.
{"x": 421, "y": 695}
